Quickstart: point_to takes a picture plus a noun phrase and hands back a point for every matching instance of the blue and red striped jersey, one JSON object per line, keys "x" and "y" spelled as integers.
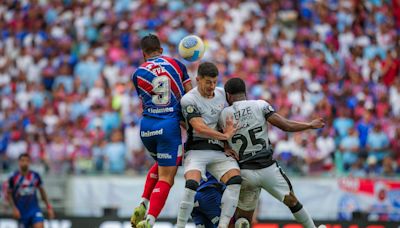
{"x": 159, "y": 83}
{"x": 23, "y": 190}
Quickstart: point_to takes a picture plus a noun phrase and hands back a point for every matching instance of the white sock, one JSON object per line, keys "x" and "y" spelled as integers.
{"x": 145, "y": 202}
{"x": 304, "y": 218}
{"x": 185, "y": 208}
{"x": 229, "y": 203}
{"x": 151, "y": 219}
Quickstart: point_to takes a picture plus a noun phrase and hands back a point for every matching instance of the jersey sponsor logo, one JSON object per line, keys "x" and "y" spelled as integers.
{"x": 163, "y": 156}
{"x": 151, "y": 133}
{"x": 215, "y": 220}
{"x": 217, "y": 142}
{"x": 160, "y": 110}
{"x": 25, "y": 191}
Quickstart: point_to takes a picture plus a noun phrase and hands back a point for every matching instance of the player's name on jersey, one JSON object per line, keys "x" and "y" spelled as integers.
{"x": 151, "y": 133}
{"x": 160, "y": 110}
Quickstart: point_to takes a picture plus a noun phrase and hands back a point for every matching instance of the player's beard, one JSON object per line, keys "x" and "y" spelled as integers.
{"x": 24, "y": 168}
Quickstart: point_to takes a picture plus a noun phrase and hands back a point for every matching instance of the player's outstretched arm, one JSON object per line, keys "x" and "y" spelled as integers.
{"x": 200, "y": 127}
{"x": 43, "y": 194}
{"x": 293, "y": 126}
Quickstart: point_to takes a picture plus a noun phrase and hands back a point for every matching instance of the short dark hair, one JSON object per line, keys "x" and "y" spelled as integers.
{"x": 207, "y": 69}
{"x": 150, "y": 43}
{"x": 235, "y": 86}
{"x": 26, "y": 155}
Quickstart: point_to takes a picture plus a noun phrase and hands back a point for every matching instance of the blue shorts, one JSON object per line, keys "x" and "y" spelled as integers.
{"x": 209, "y": 207}
{"x": 30, "y": 218}
{"x": 162, "y": 138}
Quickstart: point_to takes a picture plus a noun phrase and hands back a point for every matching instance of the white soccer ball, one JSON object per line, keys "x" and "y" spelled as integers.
{"x": 191, "y": 48}
{"x": 242, "y": 223}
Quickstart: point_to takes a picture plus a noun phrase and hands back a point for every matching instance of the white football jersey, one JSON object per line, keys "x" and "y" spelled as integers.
{"x": 195, "y": 105}
{"x": 251, "y": 139}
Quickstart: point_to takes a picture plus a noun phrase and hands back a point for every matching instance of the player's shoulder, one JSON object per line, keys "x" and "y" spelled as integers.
{"x": 219, "y": 91}
{"x": 34, "y": 173}
{"x": 13, "y": 174}
{"x": 190, "y": 96}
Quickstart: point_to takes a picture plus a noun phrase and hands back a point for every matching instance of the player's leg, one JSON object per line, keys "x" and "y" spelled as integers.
{"x": 279, "y": 186}
{"x": 194, "y": 165}
{"x": 37, "y": 219}
{"x": 207, "y": 208}
{"x": 210, "y": 204}
{"x": 151, "y": 180}
{"x": 168, "y": 144}
{"x": 227, "y": 171}
{"x": 151, "y": 145}
{"x": 38, "y": 225}
{"x": 248, "y": 198}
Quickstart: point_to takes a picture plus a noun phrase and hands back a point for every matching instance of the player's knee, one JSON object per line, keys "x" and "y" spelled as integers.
{"x": 192, "y": 184}
{"x": 234, "y": 180}
{"x": 290, "y": 200}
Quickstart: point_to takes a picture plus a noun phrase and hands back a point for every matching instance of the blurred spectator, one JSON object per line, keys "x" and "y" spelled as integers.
{"x": 377, "y": 143}
{"x": 115, "y": 153}
{"x": 350, "y": 148}
{"x": 69, "y": 66}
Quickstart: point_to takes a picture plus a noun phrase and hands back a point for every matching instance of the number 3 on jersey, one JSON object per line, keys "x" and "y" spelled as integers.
{"x": 161, "y": 90}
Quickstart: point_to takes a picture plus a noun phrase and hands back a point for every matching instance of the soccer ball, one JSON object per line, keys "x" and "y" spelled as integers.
{"x": 242, "y": 223}
{"x": 191, "y": 48}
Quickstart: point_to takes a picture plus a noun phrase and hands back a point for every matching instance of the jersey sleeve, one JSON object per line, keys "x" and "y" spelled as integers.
{"x": 189, "y": 109}
{"x": 134, "y": 79}
{"x": 266, "y": 108}
{"x": 39, "y": 180}
{"x": 222, "y": 118}
{"x": 10, "y": 183}
{"x": 185, "y": 76}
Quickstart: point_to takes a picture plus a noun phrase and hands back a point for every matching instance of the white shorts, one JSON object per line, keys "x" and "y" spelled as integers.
{"x": 272, "y": 179}
{"x": 215, "y": 162}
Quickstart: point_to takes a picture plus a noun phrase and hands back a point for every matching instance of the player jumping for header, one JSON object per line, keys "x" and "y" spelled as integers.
{"x": 259, "y": 170}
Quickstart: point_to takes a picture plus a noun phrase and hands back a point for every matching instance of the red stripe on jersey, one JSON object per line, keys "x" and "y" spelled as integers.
{"x": 16, "y": 178}
{"x": 145, "y": 85}
{"x": 146, "y": 64}
{"x": 174, "y": 65}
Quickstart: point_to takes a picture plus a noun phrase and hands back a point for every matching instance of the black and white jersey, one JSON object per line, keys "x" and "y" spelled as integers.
{"x": 251, "y": 139}
{"x": 195, "y": 105}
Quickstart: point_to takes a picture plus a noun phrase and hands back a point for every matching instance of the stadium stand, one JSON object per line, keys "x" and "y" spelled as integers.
{"x": 66, "y": 95}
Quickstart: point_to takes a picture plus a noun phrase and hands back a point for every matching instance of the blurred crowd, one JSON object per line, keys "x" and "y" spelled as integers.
{"x": 67, "y": 99}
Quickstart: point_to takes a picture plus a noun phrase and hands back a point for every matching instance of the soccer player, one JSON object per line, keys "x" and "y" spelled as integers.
{"x": 259, "y": 170}
{"x": 207, "y": 202}
{"x": 22, "y": 186}
{"x": 160, "y": 82}
{"x": 204, "y": 148}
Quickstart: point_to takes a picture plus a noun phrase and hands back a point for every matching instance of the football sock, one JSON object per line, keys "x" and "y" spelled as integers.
{"x": 302, "y": 216}
{"x": 151, "y": 181}
{"x": 151, "y": 219}
{"x": 185, "y": 208}
{"x": 229, "y": 203}
{"x": 158, "y": 198}
{"x": 145, "y": 202}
